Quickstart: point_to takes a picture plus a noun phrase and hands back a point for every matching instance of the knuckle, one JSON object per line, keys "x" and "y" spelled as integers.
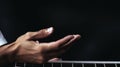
{"x": 43, "y": 33}
{"x": 28, "y": 34}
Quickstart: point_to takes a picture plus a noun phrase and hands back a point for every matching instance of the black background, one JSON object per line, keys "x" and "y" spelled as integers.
{"x": 97, "y": 21}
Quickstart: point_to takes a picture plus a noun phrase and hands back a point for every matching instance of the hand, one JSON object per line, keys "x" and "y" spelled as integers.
{"x": 27, "y": 49}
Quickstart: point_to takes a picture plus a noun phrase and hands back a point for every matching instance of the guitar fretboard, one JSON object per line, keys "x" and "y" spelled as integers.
{"x": 73, "y": 64}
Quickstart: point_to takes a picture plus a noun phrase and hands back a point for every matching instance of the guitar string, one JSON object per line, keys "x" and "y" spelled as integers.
{"x": 52, "y": 65}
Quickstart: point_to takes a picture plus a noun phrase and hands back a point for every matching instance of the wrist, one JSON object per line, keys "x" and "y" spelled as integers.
{"x": 11, "y": 52}
{"x": 7, "y": 53}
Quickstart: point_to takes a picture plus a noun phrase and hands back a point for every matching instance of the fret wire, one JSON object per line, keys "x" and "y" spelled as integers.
{"x": 24, "y": 64}
{"x": 115, "y": 65}
{"x": 72, "y": 64}
{"x": 43, "y": 65}
{"x": 60, "y": 64}
{"x": 52, "y": 65}
{"x": 82, "y": 64}
{"x": 15, "y": 65}
{"x": 104, "y": 65}
{"x": 95, "y": 65}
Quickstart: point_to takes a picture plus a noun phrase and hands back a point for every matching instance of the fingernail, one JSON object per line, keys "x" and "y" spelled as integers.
{"x": 76, "y": 35}
{"x": 37, "y": 42}
{"x": 49, "y": 30}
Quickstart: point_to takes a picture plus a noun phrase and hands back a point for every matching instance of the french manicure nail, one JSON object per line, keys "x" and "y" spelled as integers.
{"x": 49, "y": 30}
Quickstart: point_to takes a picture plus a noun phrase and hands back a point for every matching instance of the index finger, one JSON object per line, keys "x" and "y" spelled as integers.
{"x": 59, "y": 43}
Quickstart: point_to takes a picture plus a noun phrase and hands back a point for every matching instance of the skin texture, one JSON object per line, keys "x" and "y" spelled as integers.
{"x": 27, "y": 49}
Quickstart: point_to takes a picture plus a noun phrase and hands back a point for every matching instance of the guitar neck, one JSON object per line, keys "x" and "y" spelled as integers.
{"x": 74, "y": 64}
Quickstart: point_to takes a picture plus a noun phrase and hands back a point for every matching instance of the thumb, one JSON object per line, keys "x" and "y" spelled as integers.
{"x": 55, "y": 59}
{"x": 40, "y": 34}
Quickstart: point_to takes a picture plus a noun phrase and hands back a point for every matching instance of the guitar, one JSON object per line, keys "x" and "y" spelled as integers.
{"x": 73, "y": 64}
